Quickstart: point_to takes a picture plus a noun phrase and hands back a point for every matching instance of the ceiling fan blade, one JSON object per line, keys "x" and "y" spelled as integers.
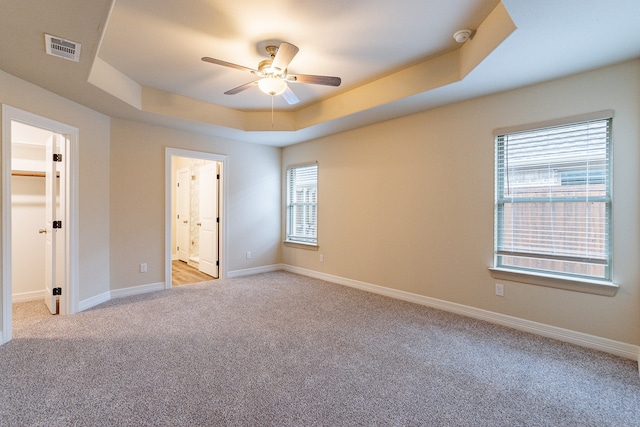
{"x": 285, "y": 54}
{"x": 316, "y": 80}
{"x": 228, "y": 64}
{"x": 241, "y": 88}
{"x": 289, "y": 96}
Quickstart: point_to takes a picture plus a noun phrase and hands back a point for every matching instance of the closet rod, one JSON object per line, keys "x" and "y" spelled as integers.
{"x": 35, "y": 174}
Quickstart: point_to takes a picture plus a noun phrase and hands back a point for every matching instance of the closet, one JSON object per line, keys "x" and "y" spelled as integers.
{"x": 28, "y": 191}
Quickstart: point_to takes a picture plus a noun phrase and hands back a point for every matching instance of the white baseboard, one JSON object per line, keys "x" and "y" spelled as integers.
{"x": 119, "y": 293}
{"x": 628, "y": 351}
{"x": 137, "y": 290}
{"x": 28, "y": 296}
{"x": 255, "y": 270}
{"x": 88, "y": 303}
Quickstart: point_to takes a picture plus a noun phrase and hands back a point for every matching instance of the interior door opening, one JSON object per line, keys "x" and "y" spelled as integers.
{"x": 195, "y": 219}
{"x": 38, "y": 208}
{"x": 37, "y": 197}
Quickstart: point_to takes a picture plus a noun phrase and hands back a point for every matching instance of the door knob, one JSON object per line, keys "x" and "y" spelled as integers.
{"x": 185, "y": 221}
{"x": 42, "y": 231}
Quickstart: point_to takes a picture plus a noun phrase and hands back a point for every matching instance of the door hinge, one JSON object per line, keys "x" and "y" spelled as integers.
{"x": 177, "y": 248}
{"x": 57, "y": 157}
{"x": 56, "y": 224}
{"x": 57, "y": 291}
{"x": 217, "y": 219}
{"x": 217, "y": 263}
{"x": 218, "y": 176}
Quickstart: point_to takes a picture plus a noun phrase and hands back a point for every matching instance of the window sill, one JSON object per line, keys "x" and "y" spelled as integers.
{"x": 301, "y": 245}
{"x": 596, "y": 287}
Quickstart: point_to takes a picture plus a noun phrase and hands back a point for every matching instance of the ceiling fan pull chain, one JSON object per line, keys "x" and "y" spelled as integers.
{"x": 271, "y": 111}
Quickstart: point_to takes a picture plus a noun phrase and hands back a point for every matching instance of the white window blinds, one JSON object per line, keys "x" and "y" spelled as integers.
{"x": 302, "y": 204}
{"x": 553, "y": 204}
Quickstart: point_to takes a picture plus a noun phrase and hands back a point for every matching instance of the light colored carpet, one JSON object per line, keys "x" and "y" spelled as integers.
{"x": 282, "y": 349}
{"x": 28, "y": 312}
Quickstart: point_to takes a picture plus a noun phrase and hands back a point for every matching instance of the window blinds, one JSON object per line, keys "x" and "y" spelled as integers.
{"x": 302, "y": 200}
{"x": 553, "y": 198}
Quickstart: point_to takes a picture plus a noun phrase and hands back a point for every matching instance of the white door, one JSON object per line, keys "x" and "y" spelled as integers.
{"x": 50, "y": 262}
{"x": 209, "y": 219}
{"x": 183, "y": 214}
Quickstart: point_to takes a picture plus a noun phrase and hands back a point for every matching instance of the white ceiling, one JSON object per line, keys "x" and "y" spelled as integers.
{"x": 357, "y": 40}
{"x": 154, "y": 48}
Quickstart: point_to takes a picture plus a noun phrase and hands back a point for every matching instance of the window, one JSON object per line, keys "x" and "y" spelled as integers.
{"x": 302, "y": 204}
{"x": 553, "y": 200}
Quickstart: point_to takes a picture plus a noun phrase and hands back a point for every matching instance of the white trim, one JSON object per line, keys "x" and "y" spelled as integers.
{"x": 69, "y": 303}
{"x": 27, "y": 296}
{"x": 120, "y": 293}
{"x": 628, "y": 351}
{"x": 597, "y": 115}
{"x": 577, "y": 284}
{"x": 137, "y": 290}
{"x": 256, "y": 270}
{"x": 222, "y": 254}
{"x": 6, "y": 330}
{"x": 88, "y": 303}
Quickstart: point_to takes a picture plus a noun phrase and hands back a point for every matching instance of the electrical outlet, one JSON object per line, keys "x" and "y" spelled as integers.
{"x": 248, "y": 254}
{"x": 143, "y": 267}
{"x": 321, "y": 258}
{"x": 499, "y": 290}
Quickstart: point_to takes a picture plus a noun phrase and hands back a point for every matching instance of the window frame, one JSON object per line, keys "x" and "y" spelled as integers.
{"x": 576, "y": 282}
{"x": 290, "y": 235}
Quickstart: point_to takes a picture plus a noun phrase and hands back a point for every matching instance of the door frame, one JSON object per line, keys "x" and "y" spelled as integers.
{"x": 70, "y": 295}
{"x": 222, "y": 207}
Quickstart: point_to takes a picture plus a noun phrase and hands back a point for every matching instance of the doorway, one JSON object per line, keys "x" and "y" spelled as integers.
{"x": 195, "y": 220}
{"x": 38, "y": 162}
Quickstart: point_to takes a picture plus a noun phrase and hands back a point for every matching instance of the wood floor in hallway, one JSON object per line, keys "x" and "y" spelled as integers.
{"x": 184, "y": 274}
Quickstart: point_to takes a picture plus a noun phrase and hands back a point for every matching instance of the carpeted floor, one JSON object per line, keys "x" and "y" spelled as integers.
{"x": 281, "y": 349}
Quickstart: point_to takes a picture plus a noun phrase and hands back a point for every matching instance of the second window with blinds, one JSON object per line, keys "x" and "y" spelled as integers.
{"x": 302, "y": 205}
{"x": 553, "y": 200}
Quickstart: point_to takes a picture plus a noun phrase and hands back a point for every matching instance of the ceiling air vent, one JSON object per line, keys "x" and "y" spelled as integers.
{"x": 62, "y": 48}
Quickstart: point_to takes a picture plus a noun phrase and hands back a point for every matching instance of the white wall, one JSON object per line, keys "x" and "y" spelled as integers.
{"x": 28, "y": 152}
{"x": 28, "y": 246}
{"x": 408, "y": 203}
{"x": 252, "y": 173}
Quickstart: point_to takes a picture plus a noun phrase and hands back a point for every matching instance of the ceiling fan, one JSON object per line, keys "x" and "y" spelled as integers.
{"x": 273, "y": 73}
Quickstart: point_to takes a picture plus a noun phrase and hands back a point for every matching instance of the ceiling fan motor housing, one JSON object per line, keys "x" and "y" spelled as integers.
{"x": 266, "y": 69}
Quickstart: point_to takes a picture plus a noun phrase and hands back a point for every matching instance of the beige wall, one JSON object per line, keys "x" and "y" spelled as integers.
{"x": 137, "y": 200}
{"x": 93, "y": 153}
{"x": 408, "y": 204}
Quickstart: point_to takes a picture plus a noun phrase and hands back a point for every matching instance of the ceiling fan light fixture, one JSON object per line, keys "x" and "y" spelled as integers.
{"x": 272, "y": 85}
{"x": 272, "y": 73}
